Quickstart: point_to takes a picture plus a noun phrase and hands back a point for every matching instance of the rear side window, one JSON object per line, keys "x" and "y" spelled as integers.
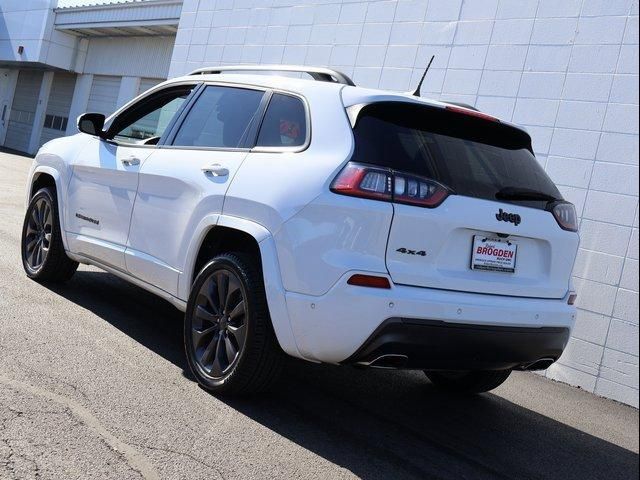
{"x": 220, "y": 118}
{"x": 474, "y": 157}
{"x": 284, "y": 123}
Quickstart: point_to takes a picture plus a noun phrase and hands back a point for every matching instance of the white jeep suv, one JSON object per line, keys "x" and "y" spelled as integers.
{"x": 311, "y": 217}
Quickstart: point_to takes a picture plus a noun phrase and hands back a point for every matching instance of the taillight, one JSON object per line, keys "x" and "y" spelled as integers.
{"x": 365, "y": 181}
{"x": 418, "y": 191}
{"x": 566, "y": 216}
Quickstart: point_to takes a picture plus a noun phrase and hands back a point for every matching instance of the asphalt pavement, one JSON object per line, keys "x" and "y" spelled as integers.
{"x": 94, "y": 384}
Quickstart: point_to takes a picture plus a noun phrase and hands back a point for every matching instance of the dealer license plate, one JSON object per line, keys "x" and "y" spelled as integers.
{"x": 494, "y": 255}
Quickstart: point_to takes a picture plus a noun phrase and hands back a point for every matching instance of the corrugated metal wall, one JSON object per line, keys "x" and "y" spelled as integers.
{"x": 125, "y": 56}
{"x": 25, "y": 101}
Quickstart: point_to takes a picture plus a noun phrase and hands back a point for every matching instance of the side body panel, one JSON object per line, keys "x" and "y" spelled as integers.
{"x": 174, "y": 195}
{"x": 273, "y": 188}
{"x": 54, "y": 159}
{"x": 102, "y": 191}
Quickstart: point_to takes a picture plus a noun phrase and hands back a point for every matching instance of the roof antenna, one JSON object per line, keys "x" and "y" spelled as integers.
{"x": 416, "y": 92}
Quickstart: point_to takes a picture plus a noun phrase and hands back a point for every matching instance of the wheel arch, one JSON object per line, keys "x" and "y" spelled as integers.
{"x": 45, "y": 176}
{"x": 226, "y": 233}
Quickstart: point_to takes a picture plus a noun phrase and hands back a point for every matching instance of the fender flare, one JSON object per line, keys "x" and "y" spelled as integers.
{"x": 42, "y": 169}
{"x": 274, "y": 289}
{"x": 60, "y": 193}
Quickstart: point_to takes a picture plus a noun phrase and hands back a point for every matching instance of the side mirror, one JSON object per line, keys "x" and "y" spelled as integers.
{"x": 91, "y": 123}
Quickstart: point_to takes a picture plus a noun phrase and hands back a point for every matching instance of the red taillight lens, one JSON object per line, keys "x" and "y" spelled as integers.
{"x": 472, "y": 113}
{"x": 360, "y": 180}
{"x": 369, "y": 281}
{"x": 573, "y": 296}
{"x": 566, "y": 216}
{"x": 363, "y": 181}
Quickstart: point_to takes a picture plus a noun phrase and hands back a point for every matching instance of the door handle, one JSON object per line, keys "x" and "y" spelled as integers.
{"x": 216, "y": 170}
{"x": 130, "y": 161}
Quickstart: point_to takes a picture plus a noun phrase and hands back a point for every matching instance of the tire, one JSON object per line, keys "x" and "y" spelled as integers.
{"x": 231, "y": 352}
{"x": 43, "y": 255}
{"x": 468, "y": 382}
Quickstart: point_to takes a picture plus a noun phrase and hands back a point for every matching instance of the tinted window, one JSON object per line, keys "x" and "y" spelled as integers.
{"x": 146, "y": 121}
{"x": 475, "y": 157}
{"x": 284, "y": 124}
{"x": 221, "y": 117}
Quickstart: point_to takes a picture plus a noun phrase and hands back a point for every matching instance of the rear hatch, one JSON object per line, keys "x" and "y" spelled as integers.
{"x": 496, "y": 232}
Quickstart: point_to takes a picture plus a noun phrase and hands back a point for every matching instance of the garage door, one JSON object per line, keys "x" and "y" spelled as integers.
{"x": 103, "y": 97}
{"x": 147, "y": 83}
{"x": 57, "y": 116}
{"x": 23, "y": 109}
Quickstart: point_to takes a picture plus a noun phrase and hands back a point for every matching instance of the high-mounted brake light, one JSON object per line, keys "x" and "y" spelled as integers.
{"x": 365, "y": 181}
{"x": 566, "y": 216}
{"x": 472, "y": 113}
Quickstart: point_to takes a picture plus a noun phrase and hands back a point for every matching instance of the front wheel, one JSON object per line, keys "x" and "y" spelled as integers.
{"x": 229, "y": 341}
{"x": 468, "y": 382}
{"x": 43, "y": 255}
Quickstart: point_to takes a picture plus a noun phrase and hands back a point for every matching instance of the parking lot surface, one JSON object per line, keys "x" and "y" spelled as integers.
{"x": 94, "y": 384}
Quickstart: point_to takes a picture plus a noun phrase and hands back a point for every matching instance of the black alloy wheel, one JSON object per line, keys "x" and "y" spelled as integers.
{"x": 229, "y": 341}
{"x": 39, "y": 228}
{"x": 219, "y": 328}
{"x": 43, "y": 255}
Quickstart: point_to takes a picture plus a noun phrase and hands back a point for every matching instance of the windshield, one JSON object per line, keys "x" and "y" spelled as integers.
{"x": 472, "y": 156}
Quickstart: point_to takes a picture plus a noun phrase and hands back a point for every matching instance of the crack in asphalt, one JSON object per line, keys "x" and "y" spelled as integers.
{"x": 133, "y": 457}
{"x": 184, "y": 454}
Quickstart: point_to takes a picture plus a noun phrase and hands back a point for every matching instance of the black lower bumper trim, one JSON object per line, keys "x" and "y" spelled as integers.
{"x": 437, "y": 345}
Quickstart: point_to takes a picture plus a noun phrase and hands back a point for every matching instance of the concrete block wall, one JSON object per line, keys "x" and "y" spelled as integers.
{"x": 567, "y": 70}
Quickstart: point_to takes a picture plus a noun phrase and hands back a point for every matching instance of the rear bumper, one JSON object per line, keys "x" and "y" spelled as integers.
{"x": 344, "y": 322}
{"x": 425, "y": 344}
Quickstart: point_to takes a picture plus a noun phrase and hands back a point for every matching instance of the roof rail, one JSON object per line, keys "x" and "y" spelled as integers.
{"x": 317, "y": 73}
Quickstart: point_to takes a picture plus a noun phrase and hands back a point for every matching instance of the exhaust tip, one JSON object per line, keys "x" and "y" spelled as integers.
{"x": 541, "y": 364}
{"x": 391, "y": 360}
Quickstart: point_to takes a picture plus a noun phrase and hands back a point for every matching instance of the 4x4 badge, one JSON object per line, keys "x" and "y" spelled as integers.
{"x": 508, "y": 217}
{"x": 422, "y": 253}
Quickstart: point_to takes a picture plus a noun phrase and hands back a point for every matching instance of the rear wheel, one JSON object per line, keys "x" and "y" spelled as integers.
{"x": 468, "y": 382}
{"x": 229, "y": 341}
{"x": 43, "y": 255}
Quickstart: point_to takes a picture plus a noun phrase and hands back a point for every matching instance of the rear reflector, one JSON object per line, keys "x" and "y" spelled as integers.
{"x": 573, "y": 296}
{"x": 369, "y": 281}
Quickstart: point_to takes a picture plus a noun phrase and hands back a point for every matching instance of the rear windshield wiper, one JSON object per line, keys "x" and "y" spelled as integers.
{"x": 521, "y": 193}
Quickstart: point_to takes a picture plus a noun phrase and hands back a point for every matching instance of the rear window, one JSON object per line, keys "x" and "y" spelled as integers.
{"x": 474, "y": 157}
{"x": 284, "y": 124}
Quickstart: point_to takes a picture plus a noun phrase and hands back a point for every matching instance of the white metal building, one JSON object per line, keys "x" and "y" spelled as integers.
{"x": 56, "y": 63}
{"x": 567, "y": 70}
